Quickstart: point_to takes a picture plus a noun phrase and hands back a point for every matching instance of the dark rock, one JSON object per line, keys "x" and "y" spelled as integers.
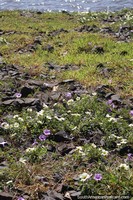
{"x": 123, "y": 53}
{"x": 46, "y": 86}
{"x": 51, "y": 148}
{"x": 38, "y": 41}
{"x": 61, "y": 136}
{"x": 5, "y": 196}
{"x": 66, "y": 12}
{"x": 26, "y": 90}
{"x": 74, "y": 194}
{"x": 45, "y": 197}
{"x": 125, "y": 150}
{"x": 103, "y": 90}
{"x": 124, "y": 32}
{"x": 108, "y": 95}
{"x": 55, "y": 97}
{"x": 32, "y": 47}
{"x": 85, "y": 49}
{"x": 39, "y": 12}
{"x": 58, "y": 68}
{"x": 65, "y": 148}
{"x": 34, "y": 82}
{"x": 30, "y": 101}
{"x": 18, "y": 102}
{"x": 4, "y": 165}
{"x": 55, "y": 195}
{"x": 57, "y": 177}
{"x": 98, "y": 49}
{"x": 33, "y": 102}
{"x": 51, "y": 66}
{"x": 106, "y": 30}
{"x": 8, "y": 102}
{"x": 100, "y": 65}
{"x": 87, "y": 28}
{"x": 67, "y": 81}
{"x": 48, "y": 48}
{"x": 62, "y": 188}
{"x": 116, "y": 99}
{"x": 112, "y": 145}
{"x": 57, "y": 32}
{"x": 105, "y": 72}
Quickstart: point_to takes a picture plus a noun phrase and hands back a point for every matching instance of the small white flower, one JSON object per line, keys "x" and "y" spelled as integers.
{"x": 30, "y": 149}
{"x": 124, "y": 166}
{"x": 5, "y": 125}
{"x": 93, "y": 145}
{"x": 83, "y": 177}
{"x": 69, "y": 111}
{"x": 88, "y": 113}
{"x": 20, "y": 119}
{"x": 15, "y": 116}
{"x": 13, "y": 135}
{"x": 48, "y": 117}
{"x": 76, "y": 114}
{"x": 120, "y": 117}
{"x": 108, "y": 116}
{"x": 40, "y": 113}
{"x": 123, "y": 141}
{"x": 94, "y": 94}
{"x": 29, "y": 110}
{"x": 44, "y": 105}
{"x": 112, "y": 119}
{"x": 118, "y": 144}
{"x": 9, "y": 182}
{"x": 22, "y": 160}
{"x": 130, "y": 125}
{"x": 112, "y": 136}
{"x": 62, "y": 119}
{"x": 70, "y": 101}
{"x": 16, "y": 125}
{"x": 79, "y": 148}
{"x": 119, "y": 137}
{"x": 39, "y": 122}
{"x": 74, "y": 128}
{"x": 104, "y": 152}
{"x": 78, "y": 98}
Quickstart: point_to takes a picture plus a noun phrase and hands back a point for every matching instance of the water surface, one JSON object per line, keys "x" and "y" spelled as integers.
{"x": 69, "y": 5}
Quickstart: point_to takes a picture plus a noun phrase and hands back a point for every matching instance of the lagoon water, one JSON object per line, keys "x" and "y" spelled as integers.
{"x": 69, "y": 5}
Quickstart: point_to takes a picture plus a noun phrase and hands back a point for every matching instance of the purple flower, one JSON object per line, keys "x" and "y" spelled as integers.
{"x": 131, "y": 112}
{"x": 68, "y": 95}
{"x": 21, "y": 198}
{"x": 129, "y": 156}
{"x": 109, "y": 110}
{"x": 113, "y": 105}
{"x": 46, "y": 132}
{"x": 42, "y": 137}
{"x": 18, "y": 95}
{"x": 98, "y": 177}
{"x": 109, "y": 102}
{"x": 34, "y": 143}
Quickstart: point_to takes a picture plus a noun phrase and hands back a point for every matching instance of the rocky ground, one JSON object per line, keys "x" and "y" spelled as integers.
{"x": 66, "y": 106}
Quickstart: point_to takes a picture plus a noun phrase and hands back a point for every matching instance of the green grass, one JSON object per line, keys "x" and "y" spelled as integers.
{"x": 29, "y": 26}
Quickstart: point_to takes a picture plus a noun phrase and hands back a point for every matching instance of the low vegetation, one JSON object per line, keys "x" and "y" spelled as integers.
{"x": 81, "y": 142}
